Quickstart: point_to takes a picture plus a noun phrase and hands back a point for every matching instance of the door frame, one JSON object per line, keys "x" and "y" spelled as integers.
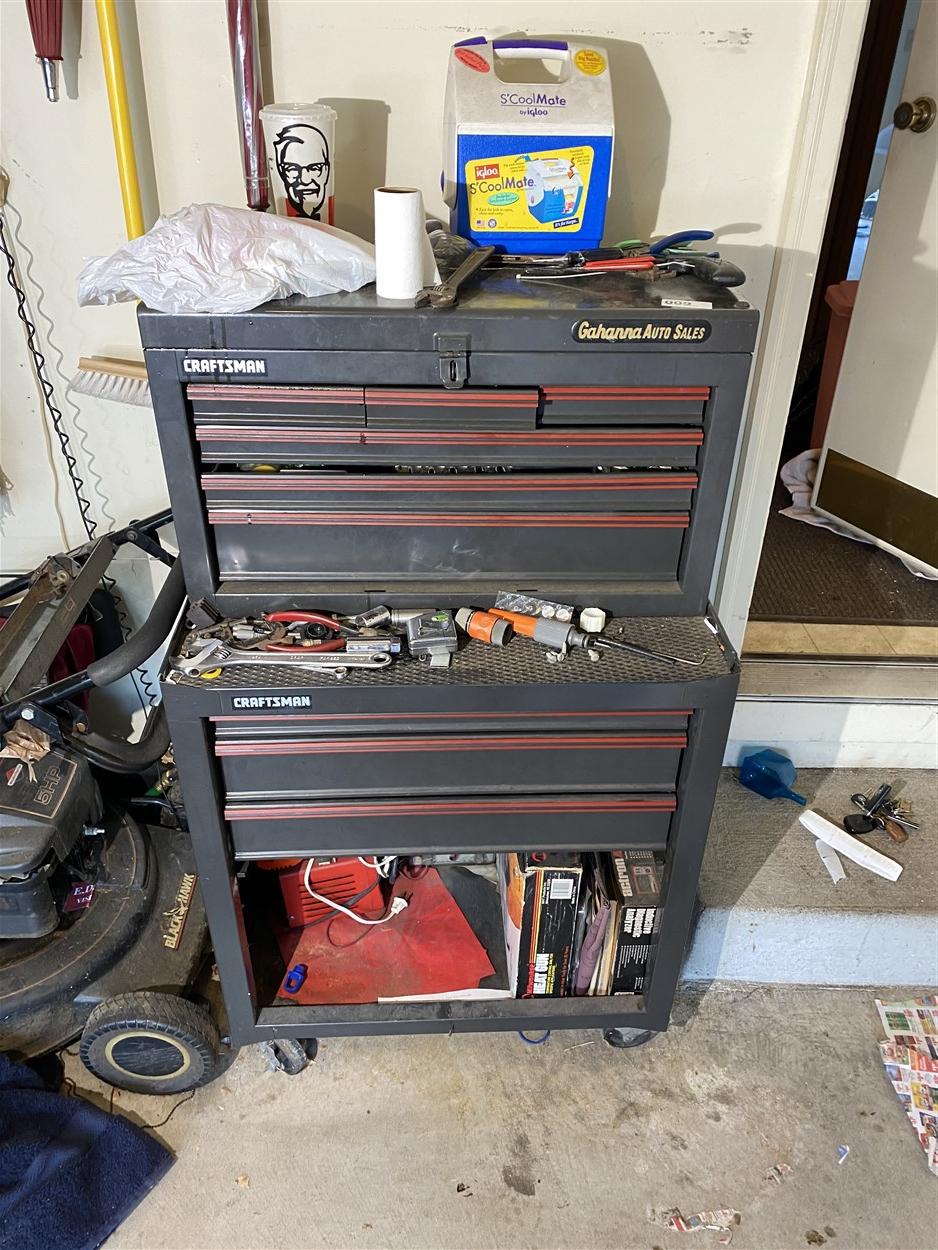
{"x": 838, "y": 37}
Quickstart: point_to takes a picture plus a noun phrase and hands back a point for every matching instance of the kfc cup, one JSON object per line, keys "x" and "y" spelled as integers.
{"x": 299, "y": 140}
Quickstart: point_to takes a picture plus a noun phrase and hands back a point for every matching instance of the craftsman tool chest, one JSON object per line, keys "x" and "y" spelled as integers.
{"x": 346, "y": 452}
{"x": 342, "y": 453}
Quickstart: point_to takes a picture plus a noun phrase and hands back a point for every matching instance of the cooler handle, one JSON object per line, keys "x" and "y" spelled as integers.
{"x": 530, "y": 48}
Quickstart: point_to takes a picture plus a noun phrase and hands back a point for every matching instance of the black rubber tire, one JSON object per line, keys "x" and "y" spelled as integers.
{"x": 151, "y": 1043}
{"x": 289, "y": 1055}
{"x": 626, "y": 1039}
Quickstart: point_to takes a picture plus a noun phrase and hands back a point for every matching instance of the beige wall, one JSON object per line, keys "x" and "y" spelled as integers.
{"x": 708, "y": 98}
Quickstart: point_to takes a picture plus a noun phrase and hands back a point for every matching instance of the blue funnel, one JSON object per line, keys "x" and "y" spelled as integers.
{"x": 770, "y": 774}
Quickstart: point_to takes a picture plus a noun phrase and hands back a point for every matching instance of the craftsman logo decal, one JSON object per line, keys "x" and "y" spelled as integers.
{"x": 219, "y": 366}
{"x": 634, "y": 331}
{"x": 272, "y": 700}
{"x": 175, "y": 918}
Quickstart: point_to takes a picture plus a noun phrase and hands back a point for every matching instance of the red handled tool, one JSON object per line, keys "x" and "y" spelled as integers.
{"x": 592, "y": 269}
{"x": 622, "y": 262}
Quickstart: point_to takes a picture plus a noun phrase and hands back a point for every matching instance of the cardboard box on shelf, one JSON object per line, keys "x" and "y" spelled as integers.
{"x": 540, "y": 894}
{"x": 635, "y": 886}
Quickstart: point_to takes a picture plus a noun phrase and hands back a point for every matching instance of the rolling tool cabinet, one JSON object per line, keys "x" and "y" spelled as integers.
{"x": 346, "y": 452}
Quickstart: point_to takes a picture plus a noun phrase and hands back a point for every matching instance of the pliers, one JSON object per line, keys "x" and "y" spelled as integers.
{"x": 679, "y": 239}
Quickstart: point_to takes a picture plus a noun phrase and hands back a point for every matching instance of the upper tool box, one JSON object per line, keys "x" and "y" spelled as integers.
{"x": 346, "y": 452}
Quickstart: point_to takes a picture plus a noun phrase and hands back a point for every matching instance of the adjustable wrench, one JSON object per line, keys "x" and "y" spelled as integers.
{"x": 443, "y": 295}
{"x": 216, "y": 656}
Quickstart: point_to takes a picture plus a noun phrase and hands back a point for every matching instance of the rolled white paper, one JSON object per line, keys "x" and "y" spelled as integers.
{"x": 846, "y": 844}
{"x": 403, "y": 254}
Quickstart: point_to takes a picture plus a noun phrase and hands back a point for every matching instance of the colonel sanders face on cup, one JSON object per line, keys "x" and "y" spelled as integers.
{"x": 302, "y": 155}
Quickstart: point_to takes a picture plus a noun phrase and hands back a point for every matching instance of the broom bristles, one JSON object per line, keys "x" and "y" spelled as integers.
{"x": 104, "y": 383}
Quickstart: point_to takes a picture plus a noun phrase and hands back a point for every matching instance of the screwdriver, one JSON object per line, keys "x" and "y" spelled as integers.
{"x": 559, "y": 635}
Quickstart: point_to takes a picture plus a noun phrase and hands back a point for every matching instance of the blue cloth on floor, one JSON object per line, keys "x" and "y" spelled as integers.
{"x": 69, "y": 1173}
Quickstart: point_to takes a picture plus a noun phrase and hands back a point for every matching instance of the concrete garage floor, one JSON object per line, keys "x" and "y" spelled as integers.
{"x": 771, "y": 912}
{"x": 562, "y": 1145}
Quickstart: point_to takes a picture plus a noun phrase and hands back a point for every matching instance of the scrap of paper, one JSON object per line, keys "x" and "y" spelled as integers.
{"x": 26, "y": 743}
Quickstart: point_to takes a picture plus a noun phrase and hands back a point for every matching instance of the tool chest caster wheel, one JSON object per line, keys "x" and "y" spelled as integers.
{"x": 288, "y": 1054}
{"x": 151, "y": 1043}
{"x": 625, "y": 1039}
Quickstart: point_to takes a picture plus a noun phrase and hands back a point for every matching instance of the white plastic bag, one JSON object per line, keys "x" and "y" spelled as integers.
{"x": 208, "y": 258}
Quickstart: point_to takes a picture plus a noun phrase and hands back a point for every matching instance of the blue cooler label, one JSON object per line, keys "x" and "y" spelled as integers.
{"x": 533, "y": 191}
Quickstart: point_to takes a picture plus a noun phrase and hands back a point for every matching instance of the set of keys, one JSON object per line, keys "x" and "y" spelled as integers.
{"x": 880, "y": 811}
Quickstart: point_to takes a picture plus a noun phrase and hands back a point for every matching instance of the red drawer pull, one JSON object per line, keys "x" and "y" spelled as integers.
{"x": 485, "y": 520}
{"x": 272, "y": 483}
{"x": 332, "y": 811}
{"x": 567, "y": 742}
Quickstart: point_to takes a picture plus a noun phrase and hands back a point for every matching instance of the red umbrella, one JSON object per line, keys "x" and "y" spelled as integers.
{"x": 245, "y": 66}
{"x": 45, "y": 22}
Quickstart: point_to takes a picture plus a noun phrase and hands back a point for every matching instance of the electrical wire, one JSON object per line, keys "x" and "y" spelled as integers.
{"x": 397, "y": 905}
{"x": 140, "y": 677}
{"x": 361, "y": 935}
{"x": 173, "y": 1109}
{"x": 48, "y": 391}
{"x": 349, "y": 902}
{"x": 384, "y": 867}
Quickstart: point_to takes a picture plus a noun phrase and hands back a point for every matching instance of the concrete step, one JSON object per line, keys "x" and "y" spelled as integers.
{"x": 772, "y": 914}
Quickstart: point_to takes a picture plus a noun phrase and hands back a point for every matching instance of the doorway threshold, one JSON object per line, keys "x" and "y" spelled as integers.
{"x": 825, "y": 712}
{"x": 838, "y": 680}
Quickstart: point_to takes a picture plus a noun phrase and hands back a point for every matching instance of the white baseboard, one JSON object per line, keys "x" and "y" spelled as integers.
{"x": 837, "y": 735}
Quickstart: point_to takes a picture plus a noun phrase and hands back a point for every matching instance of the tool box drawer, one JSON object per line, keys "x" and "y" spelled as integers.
{"x": 456, "y": 493}
{"x": 284, "y": 724}
{"x": 396, "y": 546}
{"x": 498, "y": 426}
{"x": 342, "y": 406}
{"x": 449, "y": 763}
{"x": 616, "y": 405}
{"x": 429, "y": 408}
{"x": 293, "y": 442}
{"x": 404, "y": 827}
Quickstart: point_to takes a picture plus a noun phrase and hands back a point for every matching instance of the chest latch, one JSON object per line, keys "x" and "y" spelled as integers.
{"x": 454, "y": 359}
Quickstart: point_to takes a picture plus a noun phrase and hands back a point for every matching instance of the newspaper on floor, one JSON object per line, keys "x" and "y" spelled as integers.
{"x": 722, "y": 1220}
{"x": 910, "y": 1058}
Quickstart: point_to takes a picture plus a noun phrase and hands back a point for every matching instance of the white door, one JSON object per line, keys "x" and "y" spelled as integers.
{"x": 879, "y": 468}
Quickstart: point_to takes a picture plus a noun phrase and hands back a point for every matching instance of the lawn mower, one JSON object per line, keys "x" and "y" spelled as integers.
{"x": 102, "y": 931}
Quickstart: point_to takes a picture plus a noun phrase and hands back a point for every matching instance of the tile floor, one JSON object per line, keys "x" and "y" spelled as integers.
{"x": 809, "y": 638}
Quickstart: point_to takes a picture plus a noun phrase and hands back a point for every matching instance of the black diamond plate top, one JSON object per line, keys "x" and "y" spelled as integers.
{"x": 521, "y": 662}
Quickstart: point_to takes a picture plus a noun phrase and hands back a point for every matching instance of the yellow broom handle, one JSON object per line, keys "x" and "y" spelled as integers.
{"x": 120, "y": 116}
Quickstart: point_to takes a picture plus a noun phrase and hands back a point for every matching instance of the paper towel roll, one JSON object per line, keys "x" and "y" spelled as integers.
{"x": 403, "y": 255}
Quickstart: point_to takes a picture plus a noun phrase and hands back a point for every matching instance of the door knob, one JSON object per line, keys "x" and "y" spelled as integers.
{"x": 917, "y": 116}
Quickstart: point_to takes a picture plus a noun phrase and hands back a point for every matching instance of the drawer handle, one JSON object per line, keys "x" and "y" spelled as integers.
{"x": 389, "y": 745}
{"x": 335, "y": 811}
{"x": 484, "y": 520}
